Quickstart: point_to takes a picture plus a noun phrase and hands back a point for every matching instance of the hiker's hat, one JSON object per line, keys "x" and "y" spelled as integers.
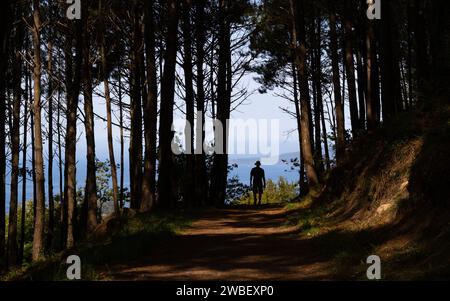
{"x": 258, "y": 163}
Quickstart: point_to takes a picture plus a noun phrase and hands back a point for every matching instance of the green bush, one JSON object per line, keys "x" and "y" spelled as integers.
{"x": 282, "y": 191}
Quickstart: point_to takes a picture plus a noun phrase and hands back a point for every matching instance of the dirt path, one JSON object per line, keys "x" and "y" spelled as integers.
{"x": 231, "y": 244}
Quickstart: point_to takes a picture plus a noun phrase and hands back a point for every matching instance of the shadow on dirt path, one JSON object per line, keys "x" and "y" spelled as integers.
{"x": 231, "y": 244}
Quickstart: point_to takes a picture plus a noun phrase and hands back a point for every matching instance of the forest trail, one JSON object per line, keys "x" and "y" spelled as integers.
{"x": 231, "y": 244}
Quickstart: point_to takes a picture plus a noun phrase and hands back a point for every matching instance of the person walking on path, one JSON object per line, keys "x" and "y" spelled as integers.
{"x": 257, "y": 182}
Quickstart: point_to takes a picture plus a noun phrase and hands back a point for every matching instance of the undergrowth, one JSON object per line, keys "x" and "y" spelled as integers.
{"x": 125, "y": 239}
{"x": 390, "y": 197}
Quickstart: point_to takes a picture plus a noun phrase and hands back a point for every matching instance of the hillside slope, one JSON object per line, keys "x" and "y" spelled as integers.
{"x": 391, "y": 198}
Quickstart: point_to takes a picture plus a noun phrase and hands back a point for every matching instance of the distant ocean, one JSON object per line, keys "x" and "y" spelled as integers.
{"x": 272, "y": 172}
{"x": 242, "y": 171}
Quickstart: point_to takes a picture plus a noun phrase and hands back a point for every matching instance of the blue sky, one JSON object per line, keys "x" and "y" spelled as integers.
{"x": 258, "y": 106}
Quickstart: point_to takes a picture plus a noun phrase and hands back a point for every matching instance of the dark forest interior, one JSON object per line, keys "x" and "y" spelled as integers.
{"x": 367, "y": 85}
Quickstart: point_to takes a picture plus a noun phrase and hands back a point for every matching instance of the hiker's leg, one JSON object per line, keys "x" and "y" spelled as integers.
{"x": 254, "y": 196}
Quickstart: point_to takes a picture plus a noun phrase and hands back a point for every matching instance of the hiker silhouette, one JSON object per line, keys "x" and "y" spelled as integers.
{"x": 257, "y": 182}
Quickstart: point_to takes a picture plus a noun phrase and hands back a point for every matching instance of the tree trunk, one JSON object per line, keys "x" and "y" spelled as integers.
{"x": 220, "y": 164}
{"x": 24, "y": 168}
{"x": 38, "y": 237}
{"x": 90, "y": 194}
{"x": 150, "y": 113}
{"x": 33, "y": 158}
{"x": 212, "y": 82}
{"x": 200, "y": 167}
{"x": 73, "y": 91}
{"x": 136, "y": 113}
{"x": 439, "y": 42}
{"x": 370, "y": 81}
{"x": 350, "y": 70}
{"x": 166, "y": 197}
{"x": 122, "y": 142}
{"x": 361, "y": 89}
{"x": 302, "y": 183}
{"x": 317, "y": 83}
{"x": 62, "y": 203}
{"x": 112, "y": 159}
{"x": 339, "y": 105}
{"x": 189, "y": 99}
{"x": 376, "y": 75}
{"x": 421, "y": 43}
{"x": 325, "y": 138}
{"x": 5, "y": 28}
{"x": 409, "y": 101}
{"x": 15, "y": 145}
{"x": 51, "y": 207}
{"x": 390, "y": 70}
{"x": 299, "y": 53}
